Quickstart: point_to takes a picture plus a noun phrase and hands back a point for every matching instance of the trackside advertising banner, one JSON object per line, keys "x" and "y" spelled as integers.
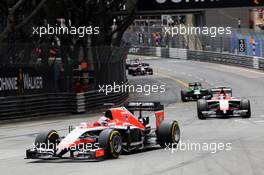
{"x": 158, "y": 5}
{"x": 18, "y": 80}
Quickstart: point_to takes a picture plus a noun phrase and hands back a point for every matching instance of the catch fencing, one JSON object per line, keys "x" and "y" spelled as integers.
{"x": 240, "y": 42}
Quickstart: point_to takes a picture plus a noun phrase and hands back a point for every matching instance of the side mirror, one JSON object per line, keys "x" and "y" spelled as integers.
{"x": 207, "y": 97}
{"x": 146, "y": 120}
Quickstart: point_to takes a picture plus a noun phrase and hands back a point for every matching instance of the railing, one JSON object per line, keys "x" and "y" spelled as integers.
{"x": 36, "y": 105}
{"x": 30, "y": 106}
{"x": 227, "y": 59}
{"x": 92, "y": 101}
{"x": 261, "y": 64}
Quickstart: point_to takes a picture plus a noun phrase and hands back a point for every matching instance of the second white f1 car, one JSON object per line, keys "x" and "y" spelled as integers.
{"x": 222, "y": 104}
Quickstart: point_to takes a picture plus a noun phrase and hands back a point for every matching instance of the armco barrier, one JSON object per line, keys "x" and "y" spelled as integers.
{"x": 178, "y": 53}
{"x": 261, "y": 64}
{"x": 92, "y": 101}
{"x": 36, "y": 105}
{"x": 30, "y": 106}
{"x": 204, "y": 56}
{"x": 146, "y": 51}
{"x": 227, "y": 59}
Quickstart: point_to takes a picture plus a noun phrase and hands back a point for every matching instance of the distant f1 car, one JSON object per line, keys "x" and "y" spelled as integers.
{"x": 222, "y": 104}
{"x": 119, "y": 130}
{"x": 137, "y": 68}
{"x": 195, "y": 91}
{"x": 132, "y": 63}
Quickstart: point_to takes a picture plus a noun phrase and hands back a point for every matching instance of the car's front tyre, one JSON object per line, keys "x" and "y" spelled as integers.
{"x": 47, "y": 140}
{"x": 183, "y": 96}
{"x": 245, "y": 105}
{"x": 201, "y": 106}
{"x": 111, "y": 141}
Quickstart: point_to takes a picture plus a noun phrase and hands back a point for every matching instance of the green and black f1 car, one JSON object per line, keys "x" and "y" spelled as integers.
{"x": 195, "y": 91}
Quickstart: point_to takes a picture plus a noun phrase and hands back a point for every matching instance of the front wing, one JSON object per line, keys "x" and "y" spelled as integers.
{"x": 48, "y": 154}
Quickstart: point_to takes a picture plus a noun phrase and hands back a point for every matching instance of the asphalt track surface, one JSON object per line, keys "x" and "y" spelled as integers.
{"x": 246, "y": 136}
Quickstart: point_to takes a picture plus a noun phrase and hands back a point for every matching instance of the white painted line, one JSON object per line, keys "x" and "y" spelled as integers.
{"x": 8, "y": 154}
{"x": 244, "y": 69}
{"x": 241, "y": 121}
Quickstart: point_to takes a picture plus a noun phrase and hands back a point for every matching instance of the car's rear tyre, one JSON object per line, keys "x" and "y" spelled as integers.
{"x": 183, "y": 96}
{"x": 47, "y": 140}
{"x": 245, "y": 105}
{"x": 111, "y": 141}
{"x": 168, "y": 134}
{"x": 201, "y": 106}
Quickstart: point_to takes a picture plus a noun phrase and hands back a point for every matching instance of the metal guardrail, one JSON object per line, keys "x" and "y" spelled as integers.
{"x": 93, "y": 101}
{"x": 227, "y": 59}
{"x": 261, "y": 64}
{"x": 204, "y": 56}
{"x": 27, "y": 106}
{"x": 140, "y": 50}
{"x": 30, "y": 106}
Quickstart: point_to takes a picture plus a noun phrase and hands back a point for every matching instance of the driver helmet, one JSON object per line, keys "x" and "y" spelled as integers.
{"x": 103, "y": 120}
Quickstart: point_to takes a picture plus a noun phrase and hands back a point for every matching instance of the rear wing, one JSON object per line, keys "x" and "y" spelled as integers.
{"x": 219, "y": 89}
{"x": 144, "y": 106}
{"x": 195, "y": 84}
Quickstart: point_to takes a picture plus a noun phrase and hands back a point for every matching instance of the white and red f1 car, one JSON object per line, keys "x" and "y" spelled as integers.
{"x": 222, "y": 104}
{"x": 118, "y": 130}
